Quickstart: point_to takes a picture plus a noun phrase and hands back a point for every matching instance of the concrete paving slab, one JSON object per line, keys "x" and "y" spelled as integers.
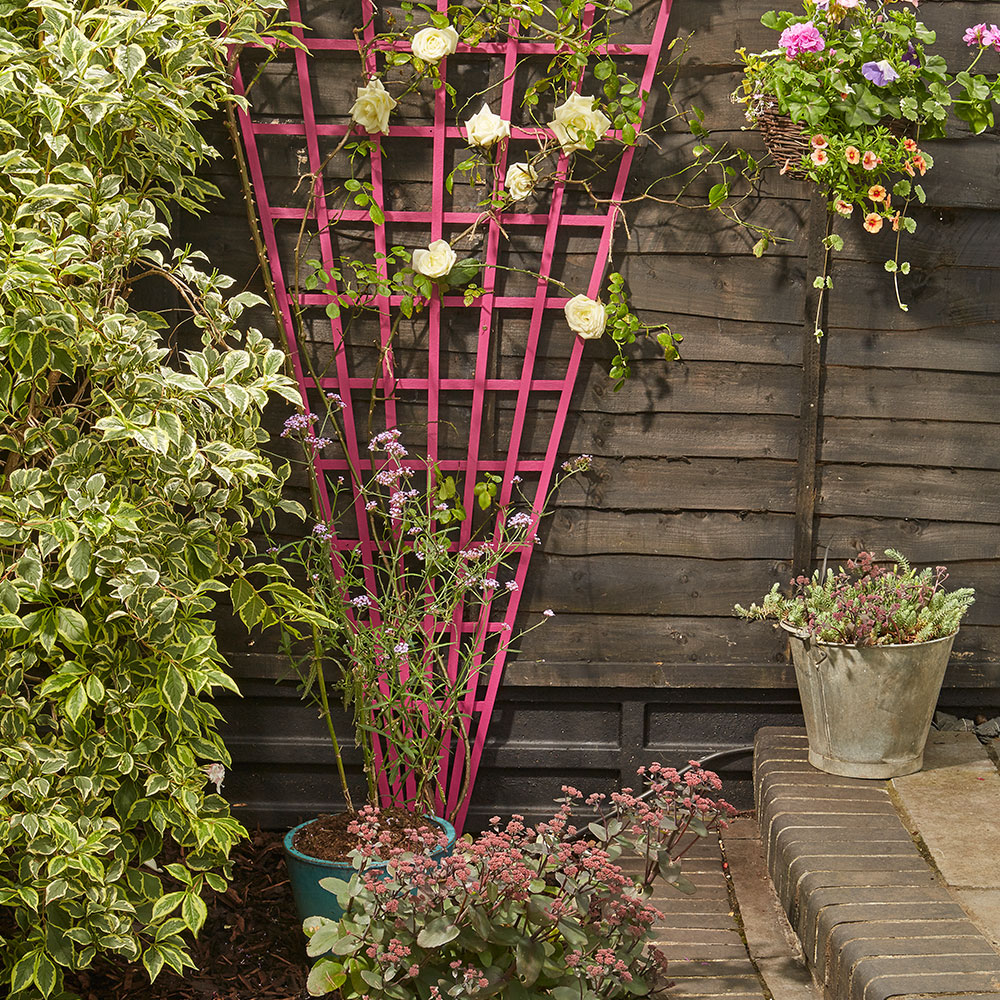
{"x": 963, "y": 844}
{"x": 983, "y": 906}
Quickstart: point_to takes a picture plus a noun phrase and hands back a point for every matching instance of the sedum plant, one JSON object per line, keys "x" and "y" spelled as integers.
{"x": 129, "y": 477}
{"x": 519, "y": 912}
{"x": 868, "y": 604}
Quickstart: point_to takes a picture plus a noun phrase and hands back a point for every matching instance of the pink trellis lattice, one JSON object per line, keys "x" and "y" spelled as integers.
{"x": 501, "y": 397}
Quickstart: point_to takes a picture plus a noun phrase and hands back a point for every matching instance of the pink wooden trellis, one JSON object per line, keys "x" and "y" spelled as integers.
{"x": 491, "y": 308}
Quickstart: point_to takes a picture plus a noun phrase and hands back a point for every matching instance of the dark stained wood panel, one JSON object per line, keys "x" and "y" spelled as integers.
{"x": 691, "y": 502}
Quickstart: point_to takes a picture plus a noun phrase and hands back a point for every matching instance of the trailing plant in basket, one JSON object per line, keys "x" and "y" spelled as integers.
{"x": 868, "y": 605}
{"x": 863, "y": 86}
{"x": 129, "y": 476}
{"x": 519, "y": 912}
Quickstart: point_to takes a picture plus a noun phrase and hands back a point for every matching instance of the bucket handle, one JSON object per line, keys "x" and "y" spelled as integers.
{"x": 819, "y": 656}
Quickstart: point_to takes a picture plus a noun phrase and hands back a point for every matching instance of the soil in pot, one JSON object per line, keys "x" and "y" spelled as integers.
{"x": 329, "y": 839}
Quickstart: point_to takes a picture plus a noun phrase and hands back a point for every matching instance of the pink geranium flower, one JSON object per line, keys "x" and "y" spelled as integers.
{"x": 797, "y": 38}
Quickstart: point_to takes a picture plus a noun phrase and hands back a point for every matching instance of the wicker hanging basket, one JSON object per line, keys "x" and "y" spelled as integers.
{"x": 786, "y": 141}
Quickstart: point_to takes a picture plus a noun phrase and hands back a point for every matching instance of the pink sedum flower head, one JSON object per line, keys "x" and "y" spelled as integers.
{"x": 798, "y": 38}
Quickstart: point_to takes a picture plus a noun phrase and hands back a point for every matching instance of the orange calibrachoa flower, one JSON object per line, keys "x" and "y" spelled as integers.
{"x": 869, "y": 161}
{"x": 819, "y": 141}
{"x": 920, "y": 163}
{"x": 820, "y": 157}
{"x": 873, "y": 222}
{"x": 909, "y": 145}
{"x": 895, "y": 222}
{"x": 843, "y": 207}
{"x": 852, "y": 155}
{"x": 877, "y": 193}
{"x": 908, "y": 167}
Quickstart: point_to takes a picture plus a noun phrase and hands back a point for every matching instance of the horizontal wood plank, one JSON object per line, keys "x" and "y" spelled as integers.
{"x": 672, "y": 586}
{"x": 967, "y": 495}
{"x": 909, "y": 442}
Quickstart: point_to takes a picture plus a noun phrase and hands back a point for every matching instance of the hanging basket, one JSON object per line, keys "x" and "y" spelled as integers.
{"x": 786, "y": 141}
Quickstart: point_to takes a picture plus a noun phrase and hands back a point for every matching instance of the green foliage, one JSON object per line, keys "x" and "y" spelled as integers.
{"x": 564, "y": 921}
{"x": 129, "y": 476}
{"x": 868, "y": 604}
{"x": 625, "y": 326}
{"x": 385, "y": 616}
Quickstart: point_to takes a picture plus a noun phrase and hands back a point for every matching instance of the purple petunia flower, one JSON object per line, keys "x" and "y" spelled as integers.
{"x": 911, "y": 56}
{"x": 880, "y": 73}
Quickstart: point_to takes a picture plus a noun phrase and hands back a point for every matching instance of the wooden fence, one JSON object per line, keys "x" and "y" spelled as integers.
{"x": 714, "y": 477}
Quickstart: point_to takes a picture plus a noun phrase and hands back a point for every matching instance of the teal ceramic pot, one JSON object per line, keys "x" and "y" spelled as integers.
{"x": 305, "y": 872}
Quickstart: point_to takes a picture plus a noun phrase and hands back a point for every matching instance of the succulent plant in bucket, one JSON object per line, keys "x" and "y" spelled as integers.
{"x": 870, "y": 645}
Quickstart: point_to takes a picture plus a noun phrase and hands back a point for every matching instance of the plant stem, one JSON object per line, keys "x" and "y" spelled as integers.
{"x": 325, "y": 703}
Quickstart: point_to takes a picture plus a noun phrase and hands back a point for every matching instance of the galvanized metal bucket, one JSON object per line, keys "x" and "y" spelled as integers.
{"x": 868, "y": 709}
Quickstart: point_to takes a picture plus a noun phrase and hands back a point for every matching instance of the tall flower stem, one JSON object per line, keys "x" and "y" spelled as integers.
{"x": 327, "y": 717}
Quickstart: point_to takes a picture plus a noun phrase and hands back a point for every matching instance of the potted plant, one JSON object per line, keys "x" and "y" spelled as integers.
{"x": 520, "y": 911}
{"x": 846, "y": 99}
{"x": 870, "y": 645}
{"x": 382, "y": 612}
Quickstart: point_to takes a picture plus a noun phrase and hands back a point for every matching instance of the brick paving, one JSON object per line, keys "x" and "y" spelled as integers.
{"x": 875, "y": 920}
{"x": 700, "y": 934}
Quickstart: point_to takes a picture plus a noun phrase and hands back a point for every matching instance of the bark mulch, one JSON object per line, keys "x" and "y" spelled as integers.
{"x": 251, "y": 947}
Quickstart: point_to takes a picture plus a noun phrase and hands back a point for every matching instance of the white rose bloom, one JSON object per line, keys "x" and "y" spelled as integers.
{"x": 436, "y": 261}
{"x": 574, "y": 119}
{"x": 520, "y": 180}
{"x": 371, "y": 109}
{"x": 484, "y": 128}
{"x": 586, "y": 316}
{"x": 433, "y": 44}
